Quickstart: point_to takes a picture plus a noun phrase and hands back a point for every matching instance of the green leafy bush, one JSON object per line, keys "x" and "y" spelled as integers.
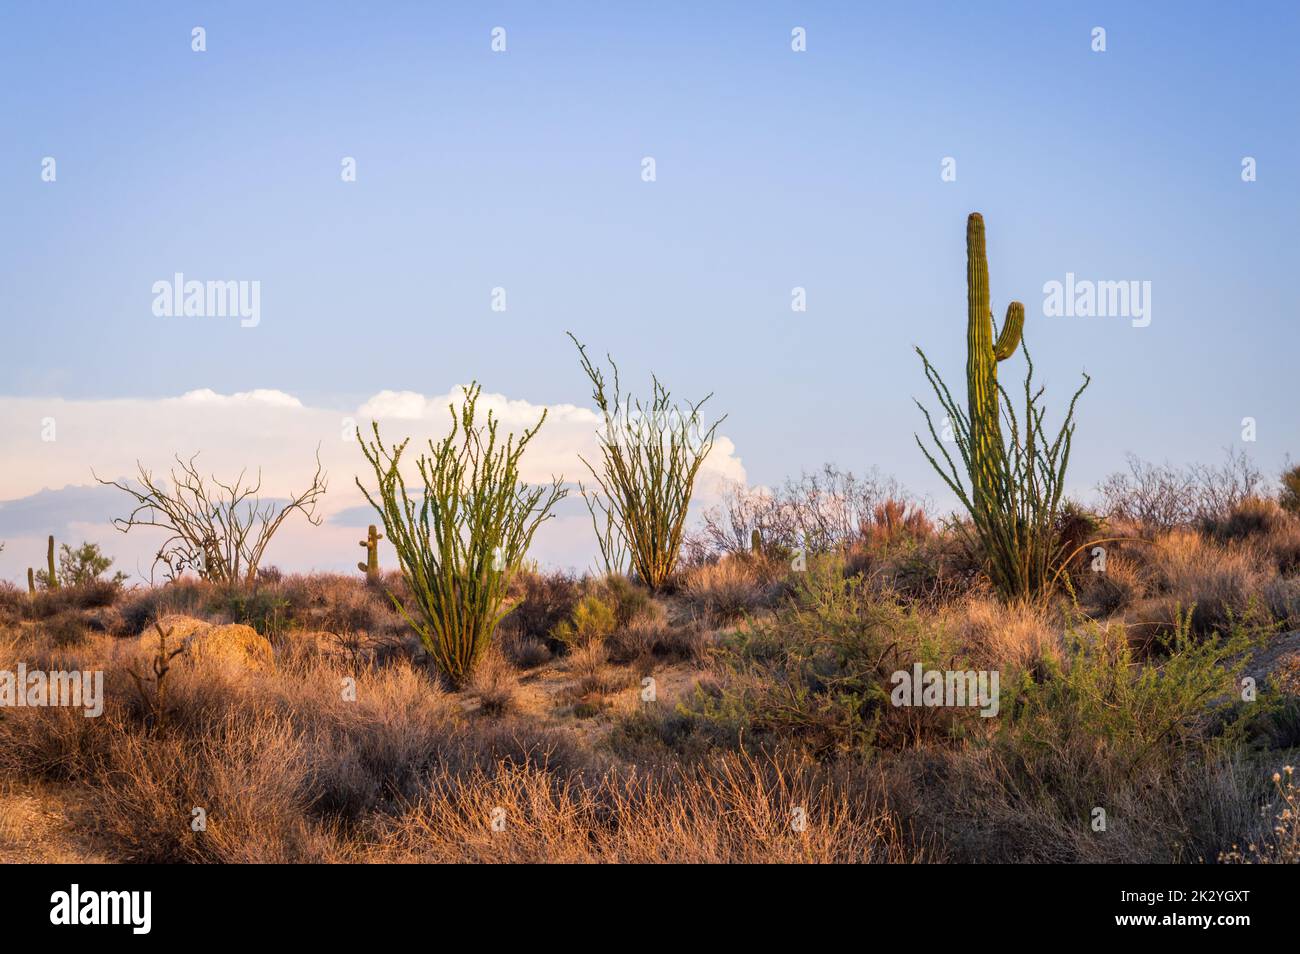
{"x": 593, "y": 619}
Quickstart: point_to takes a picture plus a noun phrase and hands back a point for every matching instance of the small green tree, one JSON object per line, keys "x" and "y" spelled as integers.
{"x": 81, "y": 567}
{"x": 460, "y": 543}
{"x": 650, "y": 457}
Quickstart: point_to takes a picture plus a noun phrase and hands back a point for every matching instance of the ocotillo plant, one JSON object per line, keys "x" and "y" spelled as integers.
{"x": 371, "y": 564}
{"x": 1015, "y": 486}
{"x": 459, "y": 545}
{"x": 651, "y": 455}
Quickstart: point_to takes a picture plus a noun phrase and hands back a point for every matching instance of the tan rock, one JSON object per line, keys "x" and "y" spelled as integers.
{"x": 225, "y": 643}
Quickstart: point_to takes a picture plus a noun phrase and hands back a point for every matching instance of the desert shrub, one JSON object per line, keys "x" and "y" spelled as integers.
{"x": 818, "y": 512}
{"x": 495, "y": 683}
{"x": 142, "y": 605}
{"x": 930, "y": 571}
{"x": 591, "y": 621}
{"x": 593, "y": 677}
{"x": 251, "y": 776}
{"x": 1281, "y": 844}
{"x": 523, "y": 652}
{"x": 1160, "y": 747}
{"x": 13, "y": 603}
{"x": 1122, "y": 717}
{"x": 1116, "y": 588}
{"x": 462, "y": 542}
{"x": 1163, "y": 497}
{"x": 1015, "y": 638}
{"x": 817, "y": 674}
{"x": 989, "y": 810}
{"x": 650, "y": 636}
{"x": 1289, "y": 494}
{"x": 1219, "y": 584}
{"x": 732, "y": 808}
{"x": 216, "y": 529}
{"x": 541, "y": 602}
{"x": 627, "y": 599}
{"x": 650, "y": 457}
{"x": 724, "y": 590}
{"x": 262, "y": 607}
{"x": 51, "y": 602}
{"x": 892, "y": 519}
{"x": 1248, "y": 518}
{"x": 663, "y": 734}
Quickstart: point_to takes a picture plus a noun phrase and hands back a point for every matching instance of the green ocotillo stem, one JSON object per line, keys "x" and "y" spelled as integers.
{"x": 983, "y": 355}
{"x": 49, "y": 559}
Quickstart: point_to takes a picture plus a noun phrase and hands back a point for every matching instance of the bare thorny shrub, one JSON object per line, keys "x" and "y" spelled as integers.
{"x": 216, "y": 529}
{"x": 1165, "y": 497}
{"x": 821, "y": 511}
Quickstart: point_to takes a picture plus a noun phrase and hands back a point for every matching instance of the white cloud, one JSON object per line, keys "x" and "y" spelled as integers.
{"x": 276, "y": 432}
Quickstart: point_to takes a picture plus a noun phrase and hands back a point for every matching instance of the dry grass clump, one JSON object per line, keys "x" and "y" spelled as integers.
{"x": 593, "y": 676}
{"x": 1016, "y": 637}
{"x": 494, "y": 683}
{"x": 652, "y": 636}
{"x": 1281, "y": 843}
{"x": 737, "y": 809}
{"x": 1116, "y": 589}
{"x": 725, "y": 590}
{"x": 1249, "y": 518}
{"x": 523, "y": 652}
{"x": 1222, "y": 582}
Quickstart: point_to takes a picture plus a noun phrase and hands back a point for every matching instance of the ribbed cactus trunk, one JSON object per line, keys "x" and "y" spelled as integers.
{"x": 49, "y": 560}
{"x": 371, "y": 565}
{"x": 983, "y": 355}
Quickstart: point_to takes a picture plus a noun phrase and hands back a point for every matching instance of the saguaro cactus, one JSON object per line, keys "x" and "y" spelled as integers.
{"x": 983, "y": 355}
{"x": 371, "y": 565}
{"x": 53, "y": 582}
{"x": 756, "y": 542}
{"x": 31, "y": 581}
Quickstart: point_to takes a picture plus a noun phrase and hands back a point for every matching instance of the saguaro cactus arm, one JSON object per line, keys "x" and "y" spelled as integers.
{"x": 1009, "y": 339}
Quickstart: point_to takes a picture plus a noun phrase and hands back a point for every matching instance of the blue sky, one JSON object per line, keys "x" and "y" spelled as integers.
{"x": 775, "y": 169}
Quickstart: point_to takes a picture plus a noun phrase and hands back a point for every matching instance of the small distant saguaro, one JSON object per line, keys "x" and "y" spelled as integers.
{"x": 371, "y": 565}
